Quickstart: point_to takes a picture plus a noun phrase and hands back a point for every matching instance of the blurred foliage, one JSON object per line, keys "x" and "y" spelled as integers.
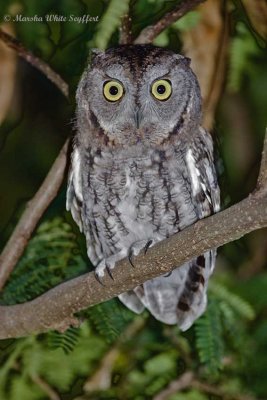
{"x": 227, "y": 347}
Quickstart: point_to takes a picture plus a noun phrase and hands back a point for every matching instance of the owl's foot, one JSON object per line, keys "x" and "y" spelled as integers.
{"x": 137, "y": 247}
{"x": 107, "y": 265}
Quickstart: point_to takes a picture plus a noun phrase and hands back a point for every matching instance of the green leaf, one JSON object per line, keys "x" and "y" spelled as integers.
{"x": 209, "y": 338}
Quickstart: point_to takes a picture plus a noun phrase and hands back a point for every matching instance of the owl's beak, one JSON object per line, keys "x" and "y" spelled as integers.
{"x": 137, "y": 118}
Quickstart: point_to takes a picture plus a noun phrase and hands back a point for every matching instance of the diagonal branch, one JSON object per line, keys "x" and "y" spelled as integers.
{"x": 55, "y": 309}
{"x": 31, "y": 216}
{"x": 35, "y": 61}
{"x": 48, "y": 190}
{"x": 148, "y": 34}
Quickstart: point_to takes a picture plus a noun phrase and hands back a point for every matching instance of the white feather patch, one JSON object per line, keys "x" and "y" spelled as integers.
{"x": 194, "y": 172}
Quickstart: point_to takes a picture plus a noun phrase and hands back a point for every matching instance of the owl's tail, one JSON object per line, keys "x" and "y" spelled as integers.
{"x": 179, "y": 298}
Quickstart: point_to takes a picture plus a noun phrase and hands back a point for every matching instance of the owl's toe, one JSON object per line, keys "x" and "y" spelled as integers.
{"x": 100, "y": 270}
{"x": 109, "y": 272}
{"x": 139, "y": 246}
{"x": 148, "y": 245}
{"x": 97, "y": 277}
{"x": 130, "y": 258}
{"x": 107, "y": 265}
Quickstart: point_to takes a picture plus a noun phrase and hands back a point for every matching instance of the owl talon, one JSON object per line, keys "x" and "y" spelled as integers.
{"x": 130, "y": 258}
{"x": 168, "y": 274}
{"x": 98, "y": 279}
{"x": 109, "y": 272}
{"x": 148, "y": 244}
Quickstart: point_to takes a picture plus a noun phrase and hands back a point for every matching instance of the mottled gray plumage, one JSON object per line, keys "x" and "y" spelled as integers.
{"x": 142, "y": 169}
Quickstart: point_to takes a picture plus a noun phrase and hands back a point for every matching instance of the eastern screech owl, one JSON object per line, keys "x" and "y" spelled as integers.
{"x": 142, "y": 169}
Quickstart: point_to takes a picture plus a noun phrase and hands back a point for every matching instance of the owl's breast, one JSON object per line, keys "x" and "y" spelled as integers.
{"x": 140, "y": 199}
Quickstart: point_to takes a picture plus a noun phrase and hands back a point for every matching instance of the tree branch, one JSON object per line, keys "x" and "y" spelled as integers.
{"x": 183, "y": 382}
{"x": 55, "y": 309}
{"x": 126, "y": 36}
{"x": 31, "y": 216}
{"x": 48, "y": 190}
{"x": 35, "y": 61}
{"x": 262, "y": 180}
{"x": 148, "y": 34}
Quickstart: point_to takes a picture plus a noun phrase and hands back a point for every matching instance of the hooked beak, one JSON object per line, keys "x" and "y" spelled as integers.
{"x": 138, "y": 118}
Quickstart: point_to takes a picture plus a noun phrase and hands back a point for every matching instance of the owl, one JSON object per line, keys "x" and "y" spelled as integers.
{"x": 142, "y": 169}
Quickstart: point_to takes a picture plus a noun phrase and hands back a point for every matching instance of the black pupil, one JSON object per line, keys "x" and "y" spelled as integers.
{"x": 113, "y": 90}
{"x": 161, "y": 89}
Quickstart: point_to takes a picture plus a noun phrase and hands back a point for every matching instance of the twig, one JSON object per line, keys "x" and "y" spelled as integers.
{"x": 205, "y": 387}
{"x": 183, "y": 382}
{"x": 45, "y": 387}
{"x": 262, "y": 180}
{"x": 101, "y": 379}
{"x": 187, "y": 380}
{"x": 55, "y": 309}
{"x": 126, "y": 30}
{"x": 35, "y": 61}
{"x": 32, "y": 214}
{"x": 148, "y": 34}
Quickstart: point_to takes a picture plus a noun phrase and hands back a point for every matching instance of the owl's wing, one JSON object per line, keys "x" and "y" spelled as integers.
{"x": 200, "y": 163}
{"x": 206, "y": 199}
{"x": 74, "y": 190}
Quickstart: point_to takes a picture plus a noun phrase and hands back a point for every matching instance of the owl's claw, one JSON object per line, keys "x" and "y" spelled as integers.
{"x": 109, "y": 272}
{"x": 130, "y": 258}
{"x": 148, "y": 244}
{"x": 168, "y": 274}
{"x": 97, "y": 277}
{"x": 137, "y": 247}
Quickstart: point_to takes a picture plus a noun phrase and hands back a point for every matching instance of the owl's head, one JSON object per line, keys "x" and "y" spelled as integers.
{"x": 138, "y": 94}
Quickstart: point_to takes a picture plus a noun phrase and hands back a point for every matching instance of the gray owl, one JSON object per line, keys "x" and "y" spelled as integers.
{"x": 142, "y": 169}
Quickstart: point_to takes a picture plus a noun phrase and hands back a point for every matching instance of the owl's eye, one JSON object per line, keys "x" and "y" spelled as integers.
{"x": 161, "y": 89}
{"x": 113, "y": 90}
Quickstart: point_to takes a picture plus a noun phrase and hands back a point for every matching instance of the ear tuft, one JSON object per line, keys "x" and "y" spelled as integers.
{"x": 92, "y": 54}
{"x": 186, "y": 61}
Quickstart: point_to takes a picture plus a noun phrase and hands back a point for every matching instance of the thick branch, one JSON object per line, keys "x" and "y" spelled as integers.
{"x": 148, "y": 34}
{"x": 55, "y": 309}
{"x": 31, "y": 216}
{"x": 35, "y": 61}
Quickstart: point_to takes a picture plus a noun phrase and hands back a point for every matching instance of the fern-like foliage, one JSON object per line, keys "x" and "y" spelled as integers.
{"x": 65, "y": 341}
{"x": 110, "y": 22}
{"x": 109, "y": 319}
{"x": 235, "y": 303}
{"x": 51, "y": 257}
{"x": 224, "y": 310}
{"x": 209, "y": 338}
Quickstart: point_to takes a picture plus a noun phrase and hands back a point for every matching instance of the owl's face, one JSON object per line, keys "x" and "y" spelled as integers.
{"x": 139, "y": 94}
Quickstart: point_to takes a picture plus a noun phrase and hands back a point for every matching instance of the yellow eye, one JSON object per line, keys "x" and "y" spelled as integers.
{"x": 161, "y": 89}
{"x": 113, "y": 90}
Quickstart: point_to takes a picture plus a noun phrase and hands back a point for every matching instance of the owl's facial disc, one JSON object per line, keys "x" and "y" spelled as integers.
{"x": 140, "y": 93}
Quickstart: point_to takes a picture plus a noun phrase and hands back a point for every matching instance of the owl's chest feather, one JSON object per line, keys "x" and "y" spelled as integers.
{"x": 138, "y": 199}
